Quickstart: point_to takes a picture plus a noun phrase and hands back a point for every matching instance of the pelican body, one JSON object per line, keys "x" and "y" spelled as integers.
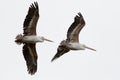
{"x": 76, "y": 46}
{"x": 32, "y": 39}
{"x": 29, "y": 38}
{"x": 72, "y": 41}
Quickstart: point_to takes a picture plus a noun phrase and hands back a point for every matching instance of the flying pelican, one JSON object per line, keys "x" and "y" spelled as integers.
{"x": 72, "y": 41}
{"x": 29, "y": 38}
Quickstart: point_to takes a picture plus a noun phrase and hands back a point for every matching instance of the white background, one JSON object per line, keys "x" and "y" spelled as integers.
{"x": 101, "y": 32}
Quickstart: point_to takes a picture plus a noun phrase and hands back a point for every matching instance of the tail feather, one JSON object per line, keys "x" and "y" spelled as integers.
{"x": 19, "y": 39}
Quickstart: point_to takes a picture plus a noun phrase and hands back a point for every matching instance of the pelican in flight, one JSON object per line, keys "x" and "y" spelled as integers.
{"x": 72, "y": 41}
{"x": 29, "y": 38}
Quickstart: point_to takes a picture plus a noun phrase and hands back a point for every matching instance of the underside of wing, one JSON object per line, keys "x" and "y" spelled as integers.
{"x": 75, "y": 28}
{"x": 30, "y": 22}
{"x": 60, "y": 51}
{"x": 30, "y": 56}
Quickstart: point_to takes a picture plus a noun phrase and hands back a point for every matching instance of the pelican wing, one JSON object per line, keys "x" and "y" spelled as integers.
{"x": 75, "y": 28}
{"x": 30, "y": 56}
{"x": 29, "y": 25}
{"x": 60, "y": 51}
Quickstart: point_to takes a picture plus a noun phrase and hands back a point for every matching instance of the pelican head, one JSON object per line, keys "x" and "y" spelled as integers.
{"x": 44, "y": 39}
{"x": 86, "y": 47}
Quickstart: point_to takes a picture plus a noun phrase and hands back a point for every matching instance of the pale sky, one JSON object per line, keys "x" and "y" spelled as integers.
{"x": 101, "y": 32}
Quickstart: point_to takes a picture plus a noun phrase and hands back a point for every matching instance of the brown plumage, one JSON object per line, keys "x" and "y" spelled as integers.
{"x": 29, "y": 25}
{"x": 29, "y": 29}
{"x": 72, "y": 36}
{"x": 62, "y": 49}
{"x": 30, "y": 56}
{"x": 19, "y": 38}
{"x": 75, "y": 28}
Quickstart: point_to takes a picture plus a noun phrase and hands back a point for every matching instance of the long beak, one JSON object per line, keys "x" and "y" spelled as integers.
{"x": 48, "y": 40}
{"x": 90, "y": 48}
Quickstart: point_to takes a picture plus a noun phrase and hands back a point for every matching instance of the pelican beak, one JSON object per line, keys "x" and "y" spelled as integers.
{"x": 90, "y": 48}
{"x": 48, "y": 40}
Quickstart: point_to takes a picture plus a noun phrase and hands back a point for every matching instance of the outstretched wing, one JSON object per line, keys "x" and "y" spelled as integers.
{"x": 29, "y": 25}
{"x": 75, "y": 28}
{"x": 62, "y": 49}
{"x": 30, "y": 55}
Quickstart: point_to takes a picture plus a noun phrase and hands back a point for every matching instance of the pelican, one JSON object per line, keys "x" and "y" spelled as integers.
{"x": 72, "y": 41}
{"x": 29, "y": 38}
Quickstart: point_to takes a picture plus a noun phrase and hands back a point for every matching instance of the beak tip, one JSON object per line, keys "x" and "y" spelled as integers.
{"x": 48, "y": 40}
{"x": 91, "y": 48}
{"x": 51, "y": 41}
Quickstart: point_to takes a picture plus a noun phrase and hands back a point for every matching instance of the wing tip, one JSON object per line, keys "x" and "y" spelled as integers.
{"x": 54, "y": 58}
{"x": 34, "y": 5}
{"x": 79, "y": 14}
{"x": 32, "y": 69}
{"x": 79, "y": 17}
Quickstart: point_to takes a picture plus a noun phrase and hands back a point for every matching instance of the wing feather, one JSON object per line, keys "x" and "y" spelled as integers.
{"x": 30, "y": 56}
{"x": 75, "y": 28}
{"x": 30, "y": 22}
{"x": 62, "y": 49}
